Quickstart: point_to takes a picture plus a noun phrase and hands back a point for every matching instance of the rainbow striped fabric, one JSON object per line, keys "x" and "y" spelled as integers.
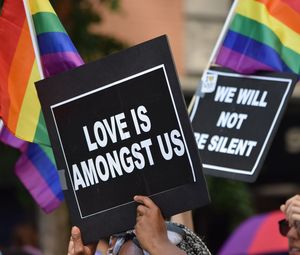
{"x": 36, "y": 171}
{"x": 264, "y": 35}
{"x": 19, "y": 105}
{"x": 18, "y": 71}
{"x": 57, "y": 51}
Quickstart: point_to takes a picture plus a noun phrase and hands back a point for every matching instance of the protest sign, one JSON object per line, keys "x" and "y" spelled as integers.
{"x": 119, "y": 127}
{"x": 236, "y": 118}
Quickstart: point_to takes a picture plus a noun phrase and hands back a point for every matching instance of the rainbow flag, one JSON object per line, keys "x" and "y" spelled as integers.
{"x": 19, "y": 105}
{"x": 18, "y": 71}
{"x": 36, "y": 171}
{"x": 57, "y": 51}
{"x": 263, "y": 35}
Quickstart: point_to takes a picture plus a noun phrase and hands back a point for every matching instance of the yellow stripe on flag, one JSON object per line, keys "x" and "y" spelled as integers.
{"x": 40, "y": 6}
{"x": 31, "y": 107}
{"x": 258, "y": 12}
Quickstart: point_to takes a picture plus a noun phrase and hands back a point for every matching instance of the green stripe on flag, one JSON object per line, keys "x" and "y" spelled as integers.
{"x": 41, "y": 134}
{"x": 47, "y": 22}
{"x": 48, "y": 151}
{"x": 263, "y": 34}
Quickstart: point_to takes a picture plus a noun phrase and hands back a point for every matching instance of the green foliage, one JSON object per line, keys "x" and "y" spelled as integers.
{"x": 77, "y": 20}
{"x": 76, "y": 16}
{"x": 231, "y": 198}
{"x": 114, "y": 4}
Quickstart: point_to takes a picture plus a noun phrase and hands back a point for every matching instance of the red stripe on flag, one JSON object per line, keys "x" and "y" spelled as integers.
{"x": 284, "y": 12}
{"x": 11, "y": 23}
{"x": 293, "y": 4}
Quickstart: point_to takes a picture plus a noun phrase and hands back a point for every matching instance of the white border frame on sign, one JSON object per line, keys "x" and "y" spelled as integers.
{"x": 103, "y": 88}
{"x": 241, "y": 171}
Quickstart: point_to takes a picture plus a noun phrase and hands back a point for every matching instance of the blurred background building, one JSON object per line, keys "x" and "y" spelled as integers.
{"x": 192, "y": 27}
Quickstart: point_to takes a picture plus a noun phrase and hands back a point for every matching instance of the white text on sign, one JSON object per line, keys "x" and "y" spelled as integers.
{"x": 249, "y": 97}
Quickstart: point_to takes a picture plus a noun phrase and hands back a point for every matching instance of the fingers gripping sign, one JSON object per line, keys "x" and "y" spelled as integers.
{"x": 150, "y": 227}
{"x": 76, "y": 246}
{"x": 151, "y": 230}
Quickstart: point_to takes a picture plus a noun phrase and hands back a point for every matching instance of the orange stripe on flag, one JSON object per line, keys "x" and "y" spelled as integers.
{"x": 283, "y": 12}
{"x": 19, "y": 74}
{"x": 31, "y": 108}
{"x": 9, "y": 37}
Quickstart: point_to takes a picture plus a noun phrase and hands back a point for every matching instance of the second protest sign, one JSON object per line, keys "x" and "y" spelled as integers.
{"x": 235, "y": 119}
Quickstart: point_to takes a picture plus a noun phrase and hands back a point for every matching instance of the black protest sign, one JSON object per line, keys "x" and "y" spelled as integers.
{"x": 114, "y": 143}
{"x": 119, "y": 128}
{"x": 235, "y": 118}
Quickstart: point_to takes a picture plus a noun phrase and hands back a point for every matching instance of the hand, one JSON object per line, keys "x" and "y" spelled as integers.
{"x": 291, "y": 209}
{"x": 151, "y": 230}
{"x": 76, "y": 246}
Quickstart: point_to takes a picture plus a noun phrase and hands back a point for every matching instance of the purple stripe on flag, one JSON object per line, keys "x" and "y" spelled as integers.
{"x": 246, "y": 233}
{"x": 36, "y": 185}
{"x": 9, "y": 139}
{"x": 55, "y": 63}
{"x": 45, "y": 167}
{"x": 239, "y": 62}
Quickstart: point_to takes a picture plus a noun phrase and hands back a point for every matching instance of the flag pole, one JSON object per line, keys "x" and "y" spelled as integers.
{"x": 222, "y": 34}
{"x": 33, "y": 37}
{"x": 195, "y": 100}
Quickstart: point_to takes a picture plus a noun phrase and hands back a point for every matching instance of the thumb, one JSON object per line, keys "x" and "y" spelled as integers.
{"x": 76, "y": 237}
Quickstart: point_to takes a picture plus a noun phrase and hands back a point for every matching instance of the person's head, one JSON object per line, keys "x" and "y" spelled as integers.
{"x": 293, "y": 236}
